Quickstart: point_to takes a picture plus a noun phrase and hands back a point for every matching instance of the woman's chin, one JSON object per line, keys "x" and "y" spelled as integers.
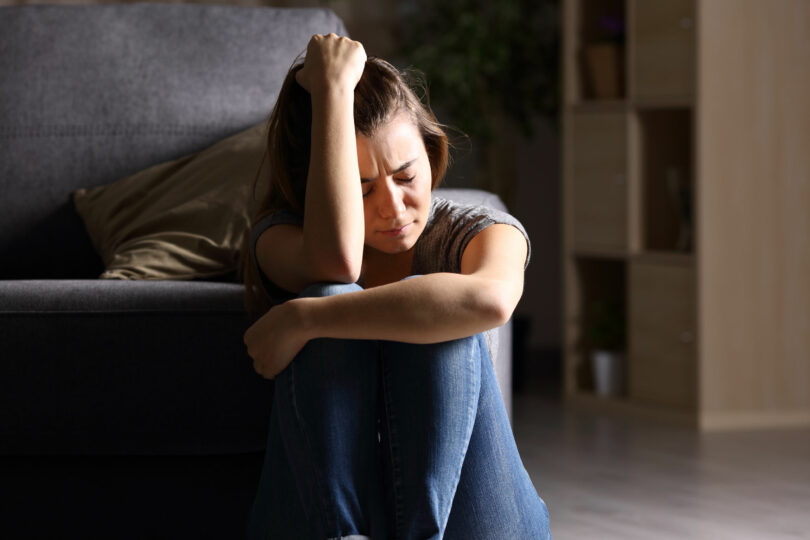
{"x": 391, "y": 246}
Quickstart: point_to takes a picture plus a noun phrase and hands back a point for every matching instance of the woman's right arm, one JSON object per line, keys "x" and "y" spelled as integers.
{"x": 329, "y": 246}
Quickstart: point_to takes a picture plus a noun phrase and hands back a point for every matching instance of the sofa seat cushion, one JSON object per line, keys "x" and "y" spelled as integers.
{"x": 115, "y": 296}
{"x": 91, "y": 367}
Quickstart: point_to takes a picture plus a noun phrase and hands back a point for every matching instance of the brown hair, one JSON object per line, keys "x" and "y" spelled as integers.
{"x": 382, "y": 92}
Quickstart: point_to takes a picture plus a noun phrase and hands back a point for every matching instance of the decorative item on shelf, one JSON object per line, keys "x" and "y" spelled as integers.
{"x": 603, "y": 59}
{"x": 681, "y": 195}
{"x": 607, "y": 340}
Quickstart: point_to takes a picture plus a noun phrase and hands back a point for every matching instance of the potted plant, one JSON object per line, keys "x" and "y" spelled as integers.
{"x": 490, "y": 66}
{"x": 606, "y": 337}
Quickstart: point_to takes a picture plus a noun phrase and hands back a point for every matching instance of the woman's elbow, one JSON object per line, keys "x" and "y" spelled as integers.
{"x": 333, "y": 262}
{"x": 499, "y": 303}
{"x": 346, "y": 275}
{"x": 502, "y": 312}
{"x": 338, "y": 270}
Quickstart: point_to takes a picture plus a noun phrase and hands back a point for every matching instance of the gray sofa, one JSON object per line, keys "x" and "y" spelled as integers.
{"x": 128, "y": 409}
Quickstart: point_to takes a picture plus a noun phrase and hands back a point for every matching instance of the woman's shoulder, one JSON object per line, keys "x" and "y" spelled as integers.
{"x": 260, "y": 225}
{"x": 451, "y": 226}
{"x": 445, "y": 212}
{"x": 271, "y": 218}
{"x": 448, "y": 216}
{"x": 277, "y": 217}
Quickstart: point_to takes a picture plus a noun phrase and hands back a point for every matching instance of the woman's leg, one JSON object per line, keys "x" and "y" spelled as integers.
{"x": 430, "y": 399}
{"x": 317, "y": 482}
{"x": 453, "y": 467}
{"x": 277, "y": 511}
{"x": 495, "y": 498}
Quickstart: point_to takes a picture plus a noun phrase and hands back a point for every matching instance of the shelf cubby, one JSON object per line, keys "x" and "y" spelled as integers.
{"x": 602, "y": 285}
{"x": 600, "y": 50}
{"x": 664, "y": 143}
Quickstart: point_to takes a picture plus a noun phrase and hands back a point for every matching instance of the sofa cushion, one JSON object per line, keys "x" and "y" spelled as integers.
{"x": 112, "y": 367}
{"x": 93, "y": 93}
{"x": 68, "y": 296}
{"x": 185, "y": 219}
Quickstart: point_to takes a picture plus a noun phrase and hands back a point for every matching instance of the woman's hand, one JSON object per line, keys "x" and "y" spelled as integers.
{"x": 332, "y": 62}
{"x": 275, "y": 339}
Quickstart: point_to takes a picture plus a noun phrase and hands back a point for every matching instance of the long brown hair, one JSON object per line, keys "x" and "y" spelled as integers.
{"x": 382, "y": 92}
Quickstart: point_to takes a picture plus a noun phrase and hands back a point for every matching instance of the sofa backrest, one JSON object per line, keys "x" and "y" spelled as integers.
{"x": 90, "y": 94}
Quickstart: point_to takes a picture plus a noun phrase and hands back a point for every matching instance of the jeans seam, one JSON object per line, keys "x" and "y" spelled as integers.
{"x": 330, "y": 520}
{"x": 396, "y": 485}
{"x": 472, "y": 411}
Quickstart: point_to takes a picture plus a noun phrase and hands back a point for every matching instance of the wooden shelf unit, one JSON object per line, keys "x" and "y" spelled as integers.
{"x": 686, "y": 196}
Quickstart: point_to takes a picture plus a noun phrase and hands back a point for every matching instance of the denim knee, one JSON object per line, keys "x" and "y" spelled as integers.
{"x": 329, "y": 289}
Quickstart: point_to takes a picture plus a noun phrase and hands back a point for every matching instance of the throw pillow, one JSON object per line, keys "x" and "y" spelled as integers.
{"x": 183, "y": 219}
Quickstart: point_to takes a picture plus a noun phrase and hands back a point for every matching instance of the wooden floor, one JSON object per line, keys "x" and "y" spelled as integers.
{"x": 605, "y": 478}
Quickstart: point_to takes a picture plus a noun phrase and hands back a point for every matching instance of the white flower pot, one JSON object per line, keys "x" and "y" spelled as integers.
{"x": 608, "y": 372}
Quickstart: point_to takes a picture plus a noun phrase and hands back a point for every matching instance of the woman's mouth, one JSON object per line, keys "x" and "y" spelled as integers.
{"x": 397, "y": 231}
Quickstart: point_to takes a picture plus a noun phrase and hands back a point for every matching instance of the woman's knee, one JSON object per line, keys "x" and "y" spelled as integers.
{"x": 434, "y": 367}
{"x": 461, "y": 349}
{"x": 329, "y": 289}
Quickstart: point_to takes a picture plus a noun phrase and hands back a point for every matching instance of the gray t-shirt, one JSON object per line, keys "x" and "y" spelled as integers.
{"x": 449, "y": 229}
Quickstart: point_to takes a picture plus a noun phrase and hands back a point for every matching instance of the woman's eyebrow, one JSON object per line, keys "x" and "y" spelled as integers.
{"x": 398, "y": 170}
{"x": 404, "y": 166}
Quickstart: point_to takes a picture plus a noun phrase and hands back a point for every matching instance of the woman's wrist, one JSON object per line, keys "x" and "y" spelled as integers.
{"x": 304, "y": 314}
{"x": 332, "y": 93}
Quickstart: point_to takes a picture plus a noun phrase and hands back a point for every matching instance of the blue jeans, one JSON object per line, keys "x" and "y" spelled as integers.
{"x": 384, "y": 439}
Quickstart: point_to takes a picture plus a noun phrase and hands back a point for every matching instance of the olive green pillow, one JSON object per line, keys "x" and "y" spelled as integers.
{"x": 183, "y": 219}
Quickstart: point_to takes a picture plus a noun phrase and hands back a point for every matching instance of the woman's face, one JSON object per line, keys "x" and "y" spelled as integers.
{"x": 396, "y": 183}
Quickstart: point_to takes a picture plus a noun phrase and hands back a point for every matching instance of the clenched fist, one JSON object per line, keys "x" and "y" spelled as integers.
{"x": 275, "y": 339}
{"x": 332, "y": 62}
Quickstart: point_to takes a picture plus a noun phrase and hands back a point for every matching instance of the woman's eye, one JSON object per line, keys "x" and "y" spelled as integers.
{"x": 407, "y": 180}
{"x": 366, "y": 192}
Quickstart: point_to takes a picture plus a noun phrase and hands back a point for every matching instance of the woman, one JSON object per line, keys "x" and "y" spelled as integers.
{"x": 387, "y": 421}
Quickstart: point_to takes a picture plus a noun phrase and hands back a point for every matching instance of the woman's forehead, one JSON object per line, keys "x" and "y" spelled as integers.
{"x": 400, "y": 129}
{"x": 394, "y": 141}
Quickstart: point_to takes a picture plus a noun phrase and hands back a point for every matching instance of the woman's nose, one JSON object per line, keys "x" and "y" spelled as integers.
{"x": 391, "y": 203}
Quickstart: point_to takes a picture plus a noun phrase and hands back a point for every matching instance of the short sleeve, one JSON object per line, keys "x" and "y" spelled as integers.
{"x": 284, "y": 217}
{"x": 450, "y": 228}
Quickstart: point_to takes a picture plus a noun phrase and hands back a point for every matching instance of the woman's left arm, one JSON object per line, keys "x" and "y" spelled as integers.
{"x": 425, "y": 309}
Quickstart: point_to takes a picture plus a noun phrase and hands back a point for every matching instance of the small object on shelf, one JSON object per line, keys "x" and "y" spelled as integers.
{"x": 608, "y": 373}
{"x": 603, "y": 59}
{"x": 603, "y": 63}
{"x": 681, "y": 196}
{"x": 607, "y": 341}
{"x": 606, "y": 325}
